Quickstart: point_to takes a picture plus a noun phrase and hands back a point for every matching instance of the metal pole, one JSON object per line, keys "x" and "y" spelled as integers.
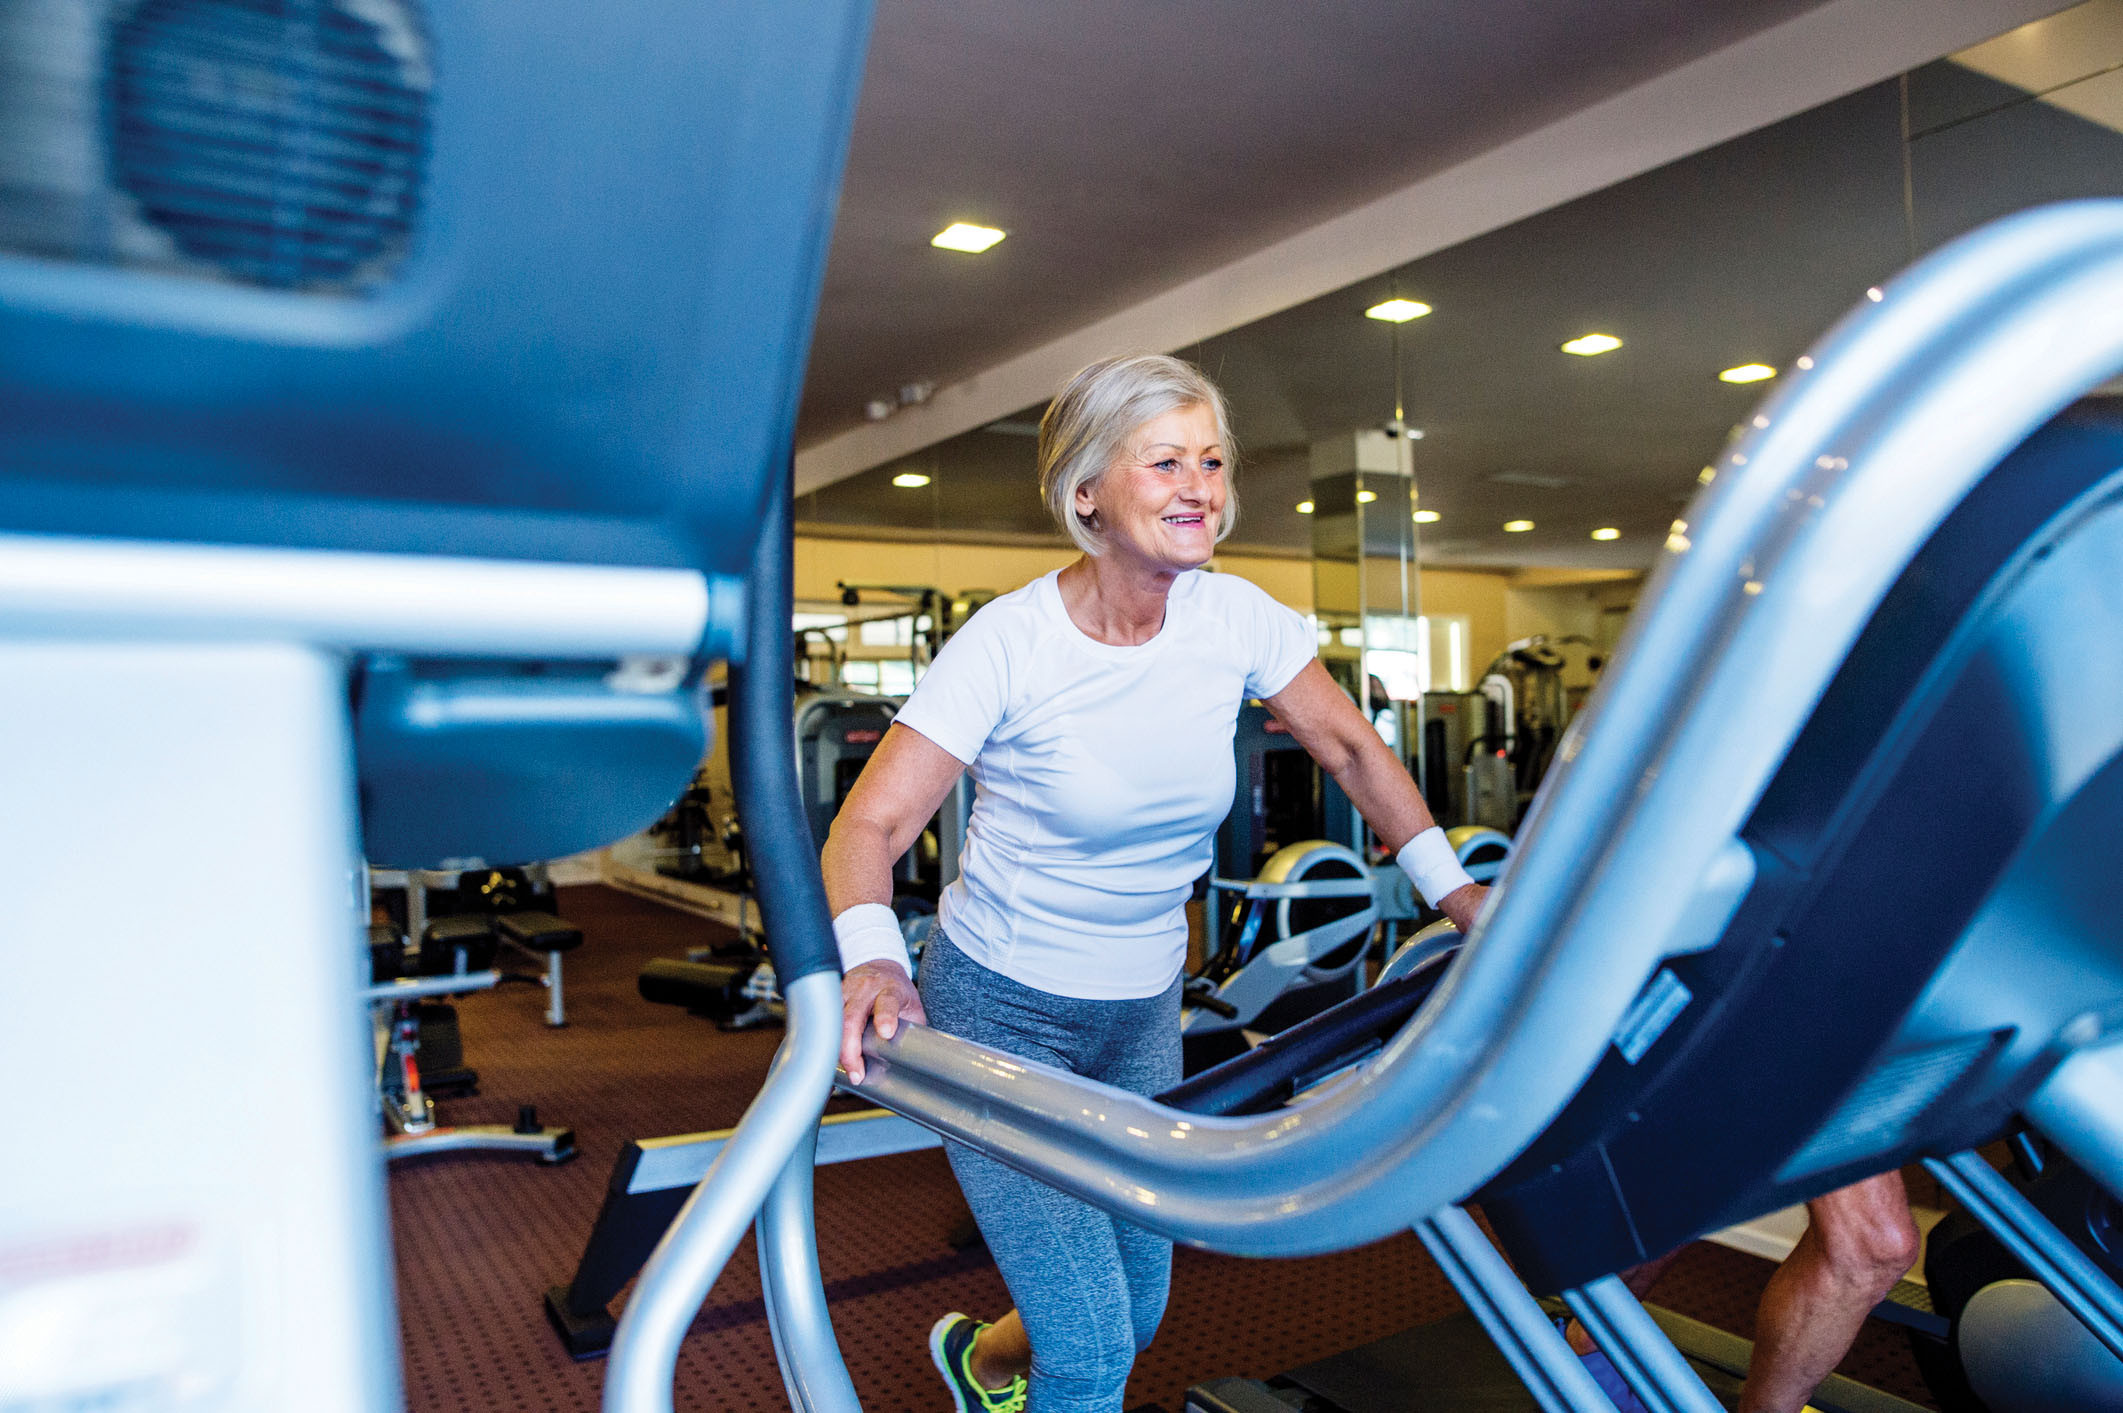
{"x": 2079, "y": 1285}
{"x": 1642, "y": 1354}
{"x": 691, "y": 1255}
{"x": 1524, "y": 1335}
{"x": 811, "y": 1365}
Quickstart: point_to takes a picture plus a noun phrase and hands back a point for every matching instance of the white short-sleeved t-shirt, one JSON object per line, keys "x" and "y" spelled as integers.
{"x": 1100, "y": 773}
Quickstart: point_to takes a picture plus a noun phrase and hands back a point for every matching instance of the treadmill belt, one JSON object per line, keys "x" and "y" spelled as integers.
{"x": 1451, "y": 1367}
{"x": 1448, "y": 1367}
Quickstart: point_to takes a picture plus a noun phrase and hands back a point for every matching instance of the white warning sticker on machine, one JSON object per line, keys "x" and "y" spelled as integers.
{"x": 134, "y": 1315}
{"x": 1663, "y": 999}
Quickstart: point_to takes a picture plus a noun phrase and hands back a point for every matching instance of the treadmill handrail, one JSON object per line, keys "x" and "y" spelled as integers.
{"x": 1631, "y": 853}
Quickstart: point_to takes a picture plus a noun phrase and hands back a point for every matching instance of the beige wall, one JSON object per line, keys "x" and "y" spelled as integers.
{"x": 823, "y": 563}
{"x": 1499, "y": 607}
{"x": 1595, "y": 611}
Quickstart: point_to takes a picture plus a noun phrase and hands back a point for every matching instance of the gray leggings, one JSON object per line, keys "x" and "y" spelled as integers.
{"x": 1089, "y": 1287}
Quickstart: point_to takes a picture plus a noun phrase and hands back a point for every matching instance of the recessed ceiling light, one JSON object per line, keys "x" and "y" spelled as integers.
{"x": 1427, "y": 517}
{"x": 1304, "y": 507}
{"x": 971, "y": 239}
{"x": 908, "y": 480}
{"x": 1366, "y": 497}
{"x": 1747, "y": 373}
{"x": 1517, "y": 527}
{"x": 1397, "y": 311}
{"x": 1590, "y": 344}
{"x": 1606, "y": 532}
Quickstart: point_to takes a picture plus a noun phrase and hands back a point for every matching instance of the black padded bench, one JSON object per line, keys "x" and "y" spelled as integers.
{"x": 546, "y": 936}
{"x": 462, "y": 943}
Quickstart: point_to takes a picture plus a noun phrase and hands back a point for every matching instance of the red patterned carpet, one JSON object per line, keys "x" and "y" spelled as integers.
{"x": 479, "y": 1237}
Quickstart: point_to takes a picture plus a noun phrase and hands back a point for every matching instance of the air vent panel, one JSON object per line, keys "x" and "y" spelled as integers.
{"x": 274, "y": 143}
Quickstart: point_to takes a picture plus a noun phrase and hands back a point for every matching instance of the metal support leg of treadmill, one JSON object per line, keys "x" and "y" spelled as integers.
{"x": 811, "y": 1366}
{"x": 1524, "y": 1335}
{"x": 692, "y": 1253}
{"x": 2048, "y": 1254}
{"x": 1642, "y": 1354}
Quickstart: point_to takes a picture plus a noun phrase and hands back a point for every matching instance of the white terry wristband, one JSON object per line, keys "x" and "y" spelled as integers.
{"x": 869, "y": 932}
{"x": 1430, "y": 864}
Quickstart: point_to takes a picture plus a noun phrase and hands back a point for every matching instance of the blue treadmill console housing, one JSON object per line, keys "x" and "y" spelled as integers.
{"x": 396, "y": 400}
{"x": 577, "y": 332}
{"x": 1873, "y": 1000}
{"x": 529, "y": 282}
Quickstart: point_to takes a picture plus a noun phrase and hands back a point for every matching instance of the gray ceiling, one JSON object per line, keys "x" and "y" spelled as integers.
{"x": 1127, "y": 145}
{"x": 1746, "y": 252}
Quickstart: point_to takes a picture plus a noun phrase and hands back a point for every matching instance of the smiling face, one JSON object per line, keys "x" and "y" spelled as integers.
{"x": 1163, "y": 499}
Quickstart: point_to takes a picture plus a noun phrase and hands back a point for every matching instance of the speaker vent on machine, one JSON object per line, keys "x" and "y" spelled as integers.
{"x": 275, "y": 143}
{"x": 280, "y": 141}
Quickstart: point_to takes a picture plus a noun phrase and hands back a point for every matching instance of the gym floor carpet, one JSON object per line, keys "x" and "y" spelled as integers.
{"x": 479, "y": 1237}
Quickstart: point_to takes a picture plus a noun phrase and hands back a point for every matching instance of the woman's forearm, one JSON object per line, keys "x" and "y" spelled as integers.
{"x": 857, "y": 863}
{"x": 1384, "y": 794}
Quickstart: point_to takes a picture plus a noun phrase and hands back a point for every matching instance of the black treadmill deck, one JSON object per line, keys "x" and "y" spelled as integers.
{"x": 1452, "y": 1367}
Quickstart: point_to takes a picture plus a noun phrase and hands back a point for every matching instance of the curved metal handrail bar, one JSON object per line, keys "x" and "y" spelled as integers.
{"x": 1631, "y": 853}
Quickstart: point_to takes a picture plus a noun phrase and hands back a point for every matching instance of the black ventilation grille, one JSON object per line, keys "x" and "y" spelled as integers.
{"x": 281, "y": 143}
{"x": 278, "y": 143}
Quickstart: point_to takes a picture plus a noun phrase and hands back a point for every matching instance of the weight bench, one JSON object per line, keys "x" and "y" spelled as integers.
{"x": 546, "y": 939}
{"x": 419, "y": 1053}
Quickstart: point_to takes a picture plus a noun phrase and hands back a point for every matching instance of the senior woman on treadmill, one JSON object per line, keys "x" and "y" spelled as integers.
{"x": 1095, "y": 708}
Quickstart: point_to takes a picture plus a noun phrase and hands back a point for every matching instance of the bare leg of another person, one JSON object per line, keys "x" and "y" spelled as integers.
{"x": 1861, "y": 1241}
{"x": 1001, "y": 1352}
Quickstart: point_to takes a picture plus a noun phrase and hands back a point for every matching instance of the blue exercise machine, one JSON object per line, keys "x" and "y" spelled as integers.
{"x": 395, "y": 401}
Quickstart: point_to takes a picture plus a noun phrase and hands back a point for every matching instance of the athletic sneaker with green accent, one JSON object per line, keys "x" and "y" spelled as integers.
{"x": 951, "y": 1347}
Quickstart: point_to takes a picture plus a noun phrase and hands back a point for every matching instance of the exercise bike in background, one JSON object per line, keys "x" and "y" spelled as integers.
{"x": 1294, "y": 908}
{"x": 733, "y": 984}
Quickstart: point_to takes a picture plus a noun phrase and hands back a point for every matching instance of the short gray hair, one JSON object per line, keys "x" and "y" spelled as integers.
{"x": 1087, "y": 426}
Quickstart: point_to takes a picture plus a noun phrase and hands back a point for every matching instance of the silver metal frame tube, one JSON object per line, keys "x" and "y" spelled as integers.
{"x": 1849, "y": 468}
{"x": 408, "y": 988}
{"x": 356, "y": 602}
{"x": 495, "y": 1138}
{"x": 2079, "y": 1285}
{"x": 1654, "y": 1370}
{"x": 707, "y": 1229}
{"x": 811, "y": 1366}
{"x": 1524, "y": 1334}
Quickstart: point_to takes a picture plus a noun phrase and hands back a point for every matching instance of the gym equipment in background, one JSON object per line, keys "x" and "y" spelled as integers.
{"x": 495, "y": 910}
{"x": 1293, "y": 910}
{"x": 733, "y": 984}
{"x": 1282, "y": 798}
{"x": 1297, "y": 937}
{"x": 1449, "y": 724}
{"x": 1791, "y": 705}
{"x": 1528, "y": 711}
{"x": 394, "y": 515}
{"x": 419, "y": 1054}
{"x": 2002, "y": 1342}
